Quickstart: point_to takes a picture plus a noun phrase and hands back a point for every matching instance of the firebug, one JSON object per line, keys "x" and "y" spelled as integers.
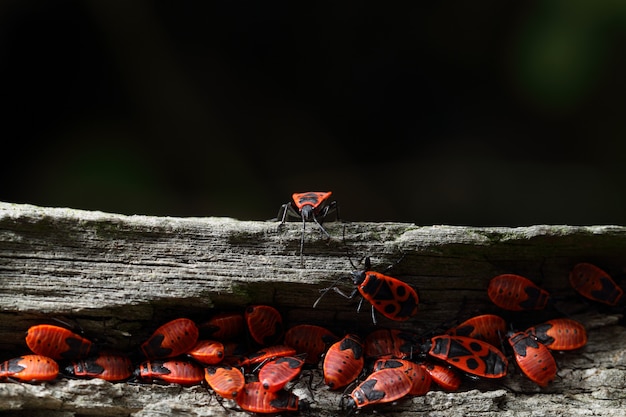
{"x": 308, "y": 206}
{"x": 276, "y": 373}
{"x": 516, "y": 293}
{"x": 418, "y": 374}
{"x": 29, "y": 368}
{"x": 390, "y": 296}
{"x": 265, "y": 324}
{"x": 560, "y": 334}
{"x": 533, "y": 358}
{"x": 225, "y": 380}
{"x": 488, "y": 327}
{"x": 109, "y": 366}
{"x": 444, "y": 376}
{"x": 57, "y": 342}
{"x": 595, "y": 284}
{"x": 256, "y": 399}
{"x": 343, "y": 361}
{"x": 390, "y": 343}
{"x": 384, "y": 386}
{"x": 172, "y": 371}
{"x": 471, "y": 355}
{"x": 207, "y": 352}
{"x": 171, "y": 339}
{"x": 223, "y": 326}
{"x": 265, "y": 354}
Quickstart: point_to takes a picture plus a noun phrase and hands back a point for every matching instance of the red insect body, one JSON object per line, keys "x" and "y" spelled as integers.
{"x": 265, "y": 354}
{"x": 256, "y": 399}
{"x": 308, "y": 206}
{"x": 418, "y": 374}
{"x": 380, "y": 387}
{"x": 171, "y": 371}
{"x": 57, "y": 342}
{"x": 595, "y": 284}
{"x": 277, "y": 373}
{"x": 172, "y": 339}
{"x": 265, "y": 324}
{"x": 106, "y": 365}
{"x": 390, "y": 343}
{"x": 390, "y": 296}
{"x": 560, "y": 334}
{"x": 468, "y": 354}
{"x": 533, "y": 358}
{"x": 226, "y": 381}
{"x": 343, "y": 362}
{"x": 516, "y": 293}
{"x": 487, "y": 327}
{"x": 30, "y": 368}
{"x": 224, "y": 326}
{"x": 309, "y": 339}
{"x": 444, "y": 376}
{"x": 208, "y": 352}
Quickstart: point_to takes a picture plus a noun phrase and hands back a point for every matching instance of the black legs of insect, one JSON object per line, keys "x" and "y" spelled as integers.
{"x": 350, "y": 296}
{"x": 307, "y": 212}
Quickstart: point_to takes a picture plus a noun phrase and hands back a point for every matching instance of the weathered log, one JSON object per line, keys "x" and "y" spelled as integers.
{"x": 119, "y": 277}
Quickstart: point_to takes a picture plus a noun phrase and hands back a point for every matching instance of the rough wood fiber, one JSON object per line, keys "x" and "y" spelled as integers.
{"x": 119, "y": 277}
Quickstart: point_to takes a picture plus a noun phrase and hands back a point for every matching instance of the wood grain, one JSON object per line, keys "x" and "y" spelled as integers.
{"x": 119, "y": 277}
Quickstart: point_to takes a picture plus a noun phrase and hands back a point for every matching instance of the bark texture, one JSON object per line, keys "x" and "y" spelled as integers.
{"x": 120, "y": 277}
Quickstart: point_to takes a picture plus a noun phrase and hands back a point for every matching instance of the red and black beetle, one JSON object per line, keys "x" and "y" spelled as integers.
{"x": 516, "y": 293}
{"x": 468, "y": 354}
{"x": 308, "y": 206}
{"x": 171, "y": 339}
{"x": 390, "y": 296}
{"x": 29, "y": 368}
{"x": 109, "y": 366}
{"x": 57, "y": 342}
{"x": 595, "y": 284}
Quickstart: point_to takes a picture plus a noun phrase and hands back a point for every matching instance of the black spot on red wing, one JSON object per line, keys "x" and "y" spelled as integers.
{"x": 376, "y": 288}
{"x": 494, "y": 365}
{"x": 370, "y": 393}
{"x": 153, "y": 348}
{"x": 390, "y": 363}
{"x": 76, "y": 348}
{"x": 608, "y": 291}
{"x": 535, "y": 298}
{"x": 476, "y": 347}
{"x": 541, "y": 333}
{"x": 291, "y": 362}
{"x": 284, "y": 401}
{"x": 472, "y": 364}
{"x": 91, "y": 367}
{"x": 356, "y": 348}
{"x": 14, "y": 365}
{"x": 458, "y": 349}
{"x": 158, "y": 368}
{"x": 389, "y": 309}
{"x": 401, "y": 291}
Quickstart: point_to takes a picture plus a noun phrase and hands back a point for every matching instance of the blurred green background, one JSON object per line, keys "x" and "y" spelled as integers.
{"x": 478, "y": 113}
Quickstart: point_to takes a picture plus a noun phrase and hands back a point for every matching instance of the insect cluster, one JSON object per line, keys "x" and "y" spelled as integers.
{"x": 251, "y": 360}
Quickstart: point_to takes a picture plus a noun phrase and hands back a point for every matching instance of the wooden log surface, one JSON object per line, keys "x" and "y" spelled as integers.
{"x": 119, "y": 277}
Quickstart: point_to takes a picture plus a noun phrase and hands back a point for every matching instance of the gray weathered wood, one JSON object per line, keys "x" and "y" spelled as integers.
{"x": 119, "y": 277}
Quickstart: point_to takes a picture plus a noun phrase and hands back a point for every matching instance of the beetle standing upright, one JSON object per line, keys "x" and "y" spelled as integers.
{"x": 308, "y": 206}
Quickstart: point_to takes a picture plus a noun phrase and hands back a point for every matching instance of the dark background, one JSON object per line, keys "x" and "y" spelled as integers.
{"x": 478, "y": 113}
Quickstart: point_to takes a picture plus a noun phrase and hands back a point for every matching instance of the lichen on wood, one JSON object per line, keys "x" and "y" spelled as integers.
{"x": 119, "y": 277}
